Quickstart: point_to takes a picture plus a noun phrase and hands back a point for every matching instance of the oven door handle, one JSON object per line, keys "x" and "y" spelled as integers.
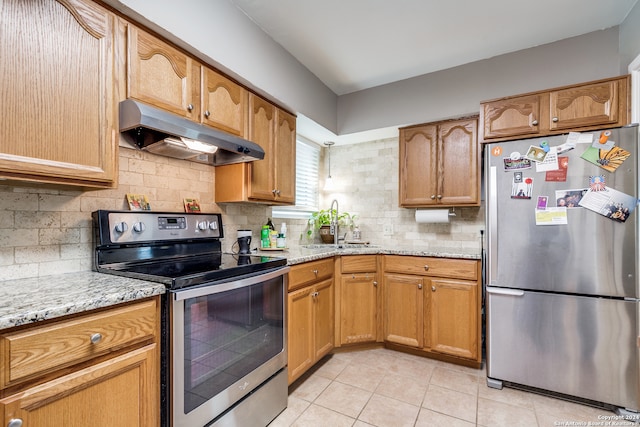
{"x": 238, "y": 283}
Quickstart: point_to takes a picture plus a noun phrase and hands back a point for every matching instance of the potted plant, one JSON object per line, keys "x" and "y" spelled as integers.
{"x": 321, "y": 221}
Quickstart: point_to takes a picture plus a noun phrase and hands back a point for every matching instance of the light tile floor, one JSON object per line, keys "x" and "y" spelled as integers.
{"x": 386, "y": 388}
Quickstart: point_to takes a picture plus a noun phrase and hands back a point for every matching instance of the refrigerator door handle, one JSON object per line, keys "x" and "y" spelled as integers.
{"x": 501, "y": 291}
{"x": 492, "y": 216}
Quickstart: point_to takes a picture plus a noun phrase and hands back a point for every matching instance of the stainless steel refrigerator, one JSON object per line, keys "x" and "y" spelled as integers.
{"x": 562, "y": 292}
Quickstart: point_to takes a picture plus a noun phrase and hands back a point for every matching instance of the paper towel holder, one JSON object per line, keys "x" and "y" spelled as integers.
{"x": 452, "y": 212}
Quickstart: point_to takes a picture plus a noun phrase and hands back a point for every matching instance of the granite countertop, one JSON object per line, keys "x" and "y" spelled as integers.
{"x": 41, "y": 298}
{"x": 300, "y": 254}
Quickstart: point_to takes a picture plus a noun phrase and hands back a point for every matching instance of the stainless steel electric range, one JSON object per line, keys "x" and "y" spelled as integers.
{"x": 224, "y": 330}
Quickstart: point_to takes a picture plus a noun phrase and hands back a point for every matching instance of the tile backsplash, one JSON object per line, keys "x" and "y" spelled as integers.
{"x": 48, "y": 230}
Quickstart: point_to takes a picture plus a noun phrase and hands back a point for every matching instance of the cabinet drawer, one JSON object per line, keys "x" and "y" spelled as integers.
{"x": 428, "y": 266}
{"x": 309, "y": 272}
{"x": 359, "y": 264}
{"x": 42, "y": 349}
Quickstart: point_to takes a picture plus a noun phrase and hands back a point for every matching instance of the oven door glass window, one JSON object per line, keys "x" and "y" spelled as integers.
{"x": 228, "y": 335}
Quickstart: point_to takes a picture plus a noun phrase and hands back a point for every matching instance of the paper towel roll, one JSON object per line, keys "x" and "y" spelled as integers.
{"x": 432, "y": 216}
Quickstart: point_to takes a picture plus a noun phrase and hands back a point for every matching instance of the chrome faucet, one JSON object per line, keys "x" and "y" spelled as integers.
{"x": 334, "y": 223}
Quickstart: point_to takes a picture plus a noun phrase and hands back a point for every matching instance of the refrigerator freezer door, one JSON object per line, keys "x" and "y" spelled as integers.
{"x": 590, "y": 255}
{"x": 579, "y": 346}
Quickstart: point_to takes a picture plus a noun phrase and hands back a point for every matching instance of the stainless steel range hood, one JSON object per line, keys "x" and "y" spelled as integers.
{"x": 168, "y": 134}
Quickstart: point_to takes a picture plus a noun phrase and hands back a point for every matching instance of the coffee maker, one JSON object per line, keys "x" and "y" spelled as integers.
{"x": 244, "y": 242}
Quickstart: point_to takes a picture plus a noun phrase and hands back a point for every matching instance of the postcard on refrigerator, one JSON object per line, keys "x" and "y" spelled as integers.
{"x": 610, "y": 203}
{"x": 560, "y": 174}
{"x": 551, "y": 216}
{"x": 570, "y": 198}
{"x": 608, "y": 160}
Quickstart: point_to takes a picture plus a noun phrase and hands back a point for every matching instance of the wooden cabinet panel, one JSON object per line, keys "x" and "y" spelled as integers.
{"x": 458, "y": 164}
{"x": 224, "y": 103}
{"x": 358, "y": 306}
{"x": 262, "y": 116}
{"x": 285, "y": 157}
{"x": 57, "y": 115}
{"x": 403, "y": 309}
{"x": 517, "y": 116}
{"x": 440, "y": 164}
{"x": 586, "y": 106}
{"x": 306, "y": 273}
{"x": 300, "y": 340}
{"x": 440, "y": 267}
{"x": 359, "y": 264}
{"x": 418, "y": 154}
{"x": 40, "y": 350}
{"x": 161, "y": 75}
{"x": 324, "y": 318}
{"x": 454, "y": 317}
{"x": 121, "y": 391}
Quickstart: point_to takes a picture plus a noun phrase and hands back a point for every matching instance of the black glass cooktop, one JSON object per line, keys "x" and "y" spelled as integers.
{"x": 181, "y": 272}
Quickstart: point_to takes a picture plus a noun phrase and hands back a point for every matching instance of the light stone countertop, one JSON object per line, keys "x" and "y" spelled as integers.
{"x": 35, "y": 299}
{"x": 24, "y": 301}
{"x": 300, "y": 254}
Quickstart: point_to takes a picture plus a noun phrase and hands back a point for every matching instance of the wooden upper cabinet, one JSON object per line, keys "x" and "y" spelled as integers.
{"x": 57, "y": 115}
{"x": 440, "y": 164}
{"x": 162, "y": 76}
{"x": 592, "y": 105}
{"x": 224, "y": 103}
{"x": 586, "y": 105}
{"x": 272, "y": 179}
{"x": 512, "y": 116}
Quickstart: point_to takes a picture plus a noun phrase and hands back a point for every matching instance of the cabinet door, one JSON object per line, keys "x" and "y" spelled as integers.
{"x": 403, "y": 308}
{"x": 224, "y": 103}
{"x": 123, "y": 391}
{"x": 285, "y": 160}
{"x": 517, "y": 116}
{"x": 586, "y": 105}
{"x": 358, "y": 308}
{"x": 454, "y": 317}
{"x": 57, "y": 114}
{"x": 262, "y": 116}
{"x": 458, "y": 163}
{"x": 162, "y": 76}
{"x": 300, "y": 341}
{"x": 324, "y": 318}
{"x": 418, "y": 186}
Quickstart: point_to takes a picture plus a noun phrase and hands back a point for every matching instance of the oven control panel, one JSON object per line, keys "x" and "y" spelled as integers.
{"x": 143, "y": 226}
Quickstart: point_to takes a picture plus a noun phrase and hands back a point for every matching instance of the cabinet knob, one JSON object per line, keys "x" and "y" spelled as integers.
{"x": 96, "y": 338}
{"x": 555, "y": 119}
{"x": 419, "y": 285}
{"x": 439, "y": 196}
{"x": 15, "y": 422}
{"x": 433, "y": 197}
{"x": 534, "y": 123}
{"x": 315, "y": 272}
{"x": 190, "y": 107}
{"x": 375, "y": 283}
{"x": 207, "y": 113}
{"x": 274, "y": 191}
{"x": 426, "y": 268}
{"x": 433, "y": 289}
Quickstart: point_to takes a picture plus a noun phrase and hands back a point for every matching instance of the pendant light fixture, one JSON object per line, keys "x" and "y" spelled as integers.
{"x": 328, "y": 183}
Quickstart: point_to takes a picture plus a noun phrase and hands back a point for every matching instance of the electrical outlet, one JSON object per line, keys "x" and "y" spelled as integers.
{"x": 387, "y": 229}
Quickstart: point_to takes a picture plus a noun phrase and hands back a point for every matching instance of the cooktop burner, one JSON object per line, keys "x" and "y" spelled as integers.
{"x": 177, "y": 249}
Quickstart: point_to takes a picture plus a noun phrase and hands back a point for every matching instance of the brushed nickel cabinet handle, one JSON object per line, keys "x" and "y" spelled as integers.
{"x": 375, "y": 283}
{"x": 96, "y": 338}
{"x": 207, "y": 113}
{"x": 190, "y": 107}
{"x": 433, "y": 289}
{"x": 535, "y": 123}
{"x": 433, "y": 197}
{"x": 419, "y": 285}
{"x": 555, "y": 119}
{"x": 15, "y": 422}
{"x": 426, "y": 268}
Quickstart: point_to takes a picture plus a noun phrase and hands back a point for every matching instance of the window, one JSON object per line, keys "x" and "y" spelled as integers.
{"x": 307, "y": 191}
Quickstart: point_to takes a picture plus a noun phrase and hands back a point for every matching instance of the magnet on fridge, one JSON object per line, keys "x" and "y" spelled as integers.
{"x": 545, "y": 146}
{"x": 515, "y": 155}
{"x": 604, "y": 137}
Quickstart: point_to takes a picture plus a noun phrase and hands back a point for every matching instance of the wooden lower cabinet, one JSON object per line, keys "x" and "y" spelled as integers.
{"x": 358, "y": 299}
{"x": 310, "y": 319}
{"x": 99, "y": 369}
{"x": 437, "y": 315}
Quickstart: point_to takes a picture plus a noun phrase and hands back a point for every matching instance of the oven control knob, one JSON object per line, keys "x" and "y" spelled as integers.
{"x": 213, "y": 225}
{"x": 204, "y": 225}
{"x": 139, "y": 227}
{"x": 121, "y": 227}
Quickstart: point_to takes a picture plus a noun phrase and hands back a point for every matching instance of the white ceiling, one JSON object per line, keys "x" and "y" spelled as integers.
{"x": 357, "y": 44}
{"x": 352, "y": 45}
